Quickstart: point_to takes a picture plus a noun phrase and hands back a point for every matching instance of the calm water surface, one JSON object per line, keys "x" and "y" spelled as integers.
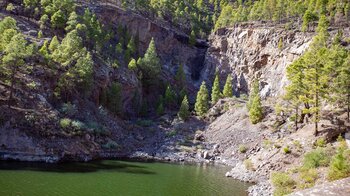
{"x": 109, "y": 178}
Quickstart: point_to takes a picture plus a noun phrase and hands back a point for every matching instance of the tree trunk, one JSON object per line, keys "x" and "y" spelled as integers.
{"x": 316, "y": 114}
{"x": 348, "y": 110}
{"x": 296, "y": 118}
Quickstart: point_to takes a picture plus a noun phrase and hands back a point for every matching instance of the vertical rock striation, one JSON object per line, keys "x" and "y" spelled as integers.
{"x": 252, "y": 51}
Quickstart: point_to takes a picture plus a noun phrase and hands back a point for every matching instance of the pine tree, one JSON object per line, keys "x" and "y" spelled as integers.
{"x": 160, "y": 109}
{"x": 132, "y": 65}
{"x": 44, "y": 51}
{"x": 83, "y": 70}
{"x": 72, "y": 22}
{"x": 69, "y": 50}
{"x": 315, "y": 77}
{"x": 30, "y": 3}
{"x": 54, "y": 44}
{"x": 58, "y": 19}
{"x": 6, "y": 24}
{"x": 215, "y": 92}
{"x": 182, "y": 94}
{"x": 13, "y": 60}
{"x": 280, "y": 44}
{"x": 184, "y": 112}
{"x": 130, "y": 49}
{"x": 254, "y": 105}
{"x": 40, "y": 34}
{"x": 227, "y": 92}
{"x": 6, "y": 37}
{"x": 296, "y": 88}
{"x": 160, "y": 106}
{"x": 170, "y": 96}
{"x": 307, "y": 18}
{"x": 150, "y": 65}
{"x": 114, "y": 98}
{"x": 342, "y": 85}
{"x": 202, "y": 105}
{"x": 180, "y": 77}
{"x": 43, "y": 21}
{"x": 192, "y": 38}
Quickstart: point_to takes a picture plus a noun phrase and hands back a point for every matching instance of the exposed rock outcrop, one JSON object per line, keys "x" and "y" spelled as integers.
{"x": 172, "y": 45}
{"x": 249, "y": 51}
{"x": 340, "y": 188}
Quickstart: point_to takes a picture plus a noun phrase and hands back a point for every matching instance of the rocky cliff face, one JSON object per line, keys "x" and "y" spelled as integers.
{"x": 172, "y": 44}
{"x": 172, "y": 48}
{"x": 250, "y": 51}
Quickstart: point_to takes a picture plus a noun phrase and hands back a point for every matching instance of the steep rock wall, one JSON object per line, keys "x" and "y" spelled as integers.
{"x": 250, "y": 51}
{"x": 172, "y": 47}
{"x": 172, "y": 44}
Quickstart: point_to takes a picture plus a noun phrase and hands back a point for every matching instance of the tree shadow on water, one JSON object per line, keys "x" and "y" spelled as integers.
{"x": 95, "y": 166}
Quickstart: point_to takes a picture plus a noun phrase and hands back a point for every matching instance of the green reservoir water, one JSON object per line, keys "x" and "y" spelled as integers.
{"x": 111, "y": 178}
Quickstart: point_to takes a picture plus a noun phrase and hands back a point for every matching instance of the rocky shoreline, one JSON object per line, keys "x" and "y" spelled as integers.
{"x": 259, "y": 187}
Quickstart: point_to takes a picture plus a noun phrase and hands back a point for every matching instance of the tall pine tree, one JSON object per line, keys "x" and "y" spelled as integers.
{"x": 150, "y": 65}
{"x": 202, "y": 105}
{"x": 184, "y": 112}
{"x": 215, "y": 92}
{"x": 315, "y": 77}
{"x": 227, "y": 92}
{"x": 254, "y": 104}
{"x": 12, "y": 60}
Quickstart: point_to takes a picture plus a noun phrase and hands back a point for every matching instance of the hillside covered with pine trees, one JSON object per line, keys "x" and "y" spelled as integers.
{"x": 262, "y": 86}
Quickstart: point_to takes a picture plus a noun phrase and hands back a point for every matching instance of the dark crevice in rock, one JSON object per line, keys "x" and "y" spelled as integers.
{"x": 197, "y": 64}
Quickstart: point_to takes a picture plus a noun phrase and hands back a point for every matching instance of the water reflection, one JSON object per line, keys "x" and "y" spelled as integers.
{"x": 94, "y": 166}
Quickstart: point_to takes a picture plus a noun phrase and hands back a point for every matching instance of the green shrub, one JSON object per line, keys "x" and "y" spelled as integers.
{"x": 96, "y": 128}
{"x": 248, "y": 164}
{"x": 10, "y": 7}
{"x": 308, "y": 178}
{"x": 111, "y": 145}
{"x": 32, "y": 85}
{"x": 316, "y": 158}
{"x": 278, "y": 109}
{"x": 267, "y": 144}
{"x": 144, "y": 123}
{"x": 171, "y": 133}
{"x": 244, "y": 97}
{"x": 68, "y": 109}
{"x": 283, "y": 183}
{"x": 297, "y": 144}
{"x": 65, "y": 123}
{"x": 339, "y": 166}
{"x": 342, "y": 143}
{"x": 242, "y": 148}
{"x": 132, "y": 65}
{"x": 286, "y": 150}
{"x": 321, "y": 142}
{"x": 77, "y": 125}
{"x": 102, "y": 111}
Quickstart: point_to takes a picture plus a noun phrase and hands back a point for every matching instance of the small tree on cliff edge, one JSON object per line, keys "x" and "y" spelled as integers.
{"x": 215, "y": 92}
{"x": 201, "y": 106}
{"x": 228, "y": 87}
{"x": 184, "y": 112}
{"x": 254, "y": 104}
